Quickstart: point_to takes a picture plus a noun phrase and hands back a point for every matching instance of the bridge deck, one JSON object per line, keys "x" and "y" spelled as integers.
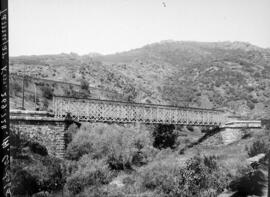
{"x": 243, "y": 124}
{"x": 112, "y": 111}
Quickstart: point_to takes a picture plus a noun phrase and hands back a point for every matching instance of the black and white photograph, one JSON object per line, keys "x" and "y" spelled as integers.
{"x": 135, "y": 98}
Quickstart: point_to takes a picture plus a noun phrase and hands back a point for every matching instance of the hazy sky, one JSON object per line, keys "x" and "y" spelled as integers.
{"x": 109, "y": 26}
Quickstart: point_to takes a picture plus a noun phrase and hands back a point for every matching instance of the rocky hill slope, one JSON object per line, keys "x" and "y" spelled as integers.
{"x": 227, "y": 75}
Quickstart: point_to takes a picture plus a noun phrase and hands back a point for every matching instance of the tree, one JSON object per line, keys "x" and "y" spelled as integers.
{"x": 84, "y": 85}
{"x": 164, "y": 136}
{"x": 130, "y": 93}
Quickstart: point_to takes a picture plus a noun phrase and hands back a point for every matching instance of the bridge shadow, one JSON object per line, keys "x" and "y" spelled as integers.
{"x": 208, "y": 133}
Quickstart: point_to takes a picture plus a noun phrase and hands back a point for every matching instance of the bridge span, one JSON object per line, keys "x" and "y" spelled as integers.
{"x": 123, "y": 112}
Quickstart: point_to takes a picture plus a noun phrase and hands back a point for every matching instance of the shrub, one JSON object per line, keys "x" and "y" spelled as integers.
{"x": 37, "y": 148}
{"x": 246, "y": 134}
{"x": 71, "y": 131}
{"x": 203, "y": 173}
{"x": 109, "y": 191}
{"x": 84, "y": 84}
{"x": 56, "y": 174}
{"x": 47, "y": 92}
{"x": 80, "y": 145}
{"x": 34, "y": 172}
{"x": 257, "y": 147}
{"x": 249, "y": 183}
{"x": 90, "y": 173}
{"x": 47, "y": 171}
{"x": 95, "y": 191}
{"x": 257, "y": 75}
{"x": 250, "y": 105}
{"x": 163, "y": 177}
{"x": 121, "y": 147}
{"x": 45, "y": 104}
{"x": 17, "y": 142}
{"x": 130, "y": 93}
{"x": 190, "y": 128}
{"x": 164, "y": 136}
{"x": 16, "y": 86}
{"x": 23, "y": 183}
{"x": 250, "y": 88}
{"x": 27, "y": 81}
{"x": 201, "y": 176}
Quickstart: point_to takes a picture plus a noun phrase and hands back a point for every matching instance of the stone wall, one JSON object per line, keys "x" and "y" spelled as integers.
{"x": 230, "y": 135}
{"x": 47, "y": 132}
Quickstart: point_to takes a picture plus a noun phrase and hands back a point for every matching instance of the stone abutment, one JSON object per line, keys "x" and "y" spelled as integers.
{"x": 47, "y": 131}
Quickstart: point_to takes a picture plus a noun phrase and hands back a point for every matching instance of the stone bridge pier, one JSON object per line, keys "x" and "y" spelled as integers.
{"x": 50, "y": 129}
{"x": 39, "y": 127}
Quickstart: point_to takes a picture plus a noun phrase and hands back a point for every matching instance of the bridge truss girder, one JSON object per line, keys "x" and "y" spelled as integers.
{"x": 121, "y": 112}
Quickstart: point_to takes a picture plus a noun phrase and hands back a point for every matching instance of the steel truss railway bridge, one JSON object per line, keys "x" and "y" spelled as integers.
{"x": 95, "y": 110}
{"x": 49, "y": 129}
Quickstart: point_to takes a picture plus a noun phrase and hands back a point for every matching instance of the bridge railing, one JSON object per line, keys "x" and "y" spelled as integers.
{"x": 112, "y": 111}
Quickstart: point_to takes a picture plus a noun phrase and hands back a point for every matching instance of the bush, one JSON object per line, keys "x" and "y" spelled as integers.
{"x": 190, "y": 128}
{"x": 47, "y": 171}
{"x": 56, "y": 174}
{"x": 84, "y": 84}
{"x": 163, "y": 177}
{"x": 47, "y": 92}
{"x": 249, "y": 183}
{"x": 130, "y": 93}
{"x": 33, "y": 172}
{"x": 71, "y": 131}
{"x": 164, "y": 136}
{"x": 95, "y": 191}
{"x": 37, "y": 148}
{"x": 45, "y": 104}
{"x": 257, "y": 147}
{"x": 120, "y": 147}
{"x": 201, "y": 176}
{"x": 90, "y": 173}
{"x": 250, "y": 105}
{"x": 16, "y": 86}
{"x": 23, "y": 183}
{"x": 27, "y": 81}
{"x": 81, "y": 144}
{"x": 17, "y": 142}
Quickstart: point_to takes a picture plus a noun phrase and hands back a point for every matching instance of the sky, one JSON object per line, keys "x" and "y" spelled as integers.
{"x": 109, "y": 26}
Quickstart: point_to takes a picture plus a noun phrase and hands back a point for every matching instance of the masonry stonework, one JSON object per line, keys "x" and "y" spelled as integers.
{"x": 230, "y": 135}
{"x": 50, "y": 134}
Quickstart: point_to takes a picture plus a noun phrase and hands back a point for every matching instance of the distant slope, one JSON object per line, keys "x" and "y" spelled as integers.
{"x": 228, "y": 75}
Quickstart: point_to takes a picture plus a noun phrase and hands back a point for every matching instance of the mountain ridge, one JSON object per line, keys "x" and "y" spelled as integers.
{"x": 229, "y": 75}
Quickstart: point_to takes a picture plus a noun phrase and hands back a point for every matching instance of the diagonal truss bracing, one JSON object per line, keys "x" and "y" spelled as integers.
{"x": 112, "y": 111}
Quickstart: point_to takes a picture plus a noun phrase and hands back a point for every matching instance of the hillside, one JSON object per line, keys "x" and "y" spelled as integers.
{"x": 228, "y": 75}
